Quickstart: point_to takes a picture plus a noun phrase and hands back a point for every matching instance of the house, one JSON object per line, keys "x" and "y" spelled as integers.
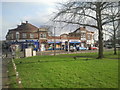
{"x": 86, "y": 37}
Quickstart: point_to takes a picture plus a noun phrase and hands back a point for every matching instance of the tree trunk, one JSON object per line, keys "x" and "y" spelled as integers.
{"x": 114, "y": 40}
{"x": 100, "y": 53}
{"x": 100, "y": 37}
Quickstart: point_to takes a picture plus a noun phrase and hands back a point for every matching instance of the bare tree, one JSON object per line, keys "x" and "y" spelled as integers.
{"x": 90, "y": 14}
{"x": 114, "y": 14}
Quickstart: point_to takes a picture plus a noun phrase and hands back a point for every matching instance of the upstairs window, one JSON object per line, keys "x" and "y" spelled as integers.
{"x": 17, "y": 35}
{"x": 44, "y": 35}
{"x": 24, "y": 35}
{"x": 11, "y": 36}
{"x": 83, "y": 35}
{"x": 89, "y": 37}
{"x": 41, "y": 35}
{"x": 31, "y": 35}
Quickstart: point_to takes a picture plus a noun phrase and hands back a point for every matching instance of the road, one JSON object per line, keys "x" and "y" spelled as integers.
{"x": 51, "y": 52}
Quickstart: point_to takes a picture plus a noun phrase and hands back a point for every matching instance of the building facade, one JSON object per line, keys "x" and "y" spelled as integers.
{"x": 39, "y": 37}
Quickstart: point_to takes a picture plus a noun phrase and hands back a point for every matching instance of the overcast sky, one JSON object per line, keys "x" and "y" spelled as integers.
{"x": 36, "y": 12}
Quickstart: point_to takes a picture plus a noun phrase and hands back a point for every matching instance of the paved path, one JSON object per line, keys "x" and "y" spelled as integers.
{"x": 5, "y": 73}
{"x": 0, "y": 71}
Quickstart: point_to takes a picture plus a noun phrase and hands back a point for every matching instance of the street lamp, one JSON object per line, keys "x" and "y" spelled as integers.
{"x": 68, "y": 43}
{"x": 38, "y": 40}
{"x": 54, "y": 43}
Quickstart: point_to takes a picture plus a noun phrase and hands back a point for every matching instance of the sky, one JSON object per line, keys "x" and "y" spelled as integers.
{"x": 36, "y": 12}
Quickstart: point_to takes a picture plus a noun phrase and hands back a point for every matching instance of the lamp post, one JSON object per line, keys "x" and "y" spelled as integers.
{"x": 38, "y": 40}
{"x": 68, "y": 44}
{"x": 54, "y": 43}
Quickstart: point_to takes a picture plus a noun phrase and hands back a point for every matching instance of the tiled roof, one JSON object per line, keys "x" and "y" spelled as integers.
{"x": 27, "y": 27}
{"x": 58, "y": 37}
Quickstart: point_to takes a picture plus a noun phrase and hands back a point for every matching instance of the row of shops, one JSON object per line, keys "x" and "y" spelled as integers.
{"x": 49, "y": 45}
{"x": 27, "y": 35}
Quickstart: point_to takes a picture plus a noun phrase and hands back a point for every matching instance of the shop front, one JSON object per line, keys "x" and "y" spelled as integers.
{"x": 54, "y": 45}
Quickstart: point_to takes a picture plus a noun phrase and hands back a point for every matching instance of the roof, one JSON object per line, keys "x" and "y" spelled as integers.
{"x": 27, "y": 27}
{"x": 81, "y": 28}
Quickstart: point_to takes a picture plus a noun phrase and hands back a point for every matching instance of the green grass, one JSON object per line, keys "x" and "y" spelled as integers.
{"x": 62, "y": 71}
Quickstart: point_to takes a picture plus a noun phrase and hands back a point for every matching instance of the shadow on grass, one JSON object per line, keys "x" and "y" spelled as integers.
{"x": 12, "y": 84}
{"x": 72, "y": 59}
{"x": 9, "y": 76}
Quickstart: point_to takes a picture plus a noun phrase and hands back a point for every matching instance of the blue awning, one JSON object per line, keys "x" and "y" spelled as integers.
{"x": 53, "y": 42}
{"x": 75, "y": 42}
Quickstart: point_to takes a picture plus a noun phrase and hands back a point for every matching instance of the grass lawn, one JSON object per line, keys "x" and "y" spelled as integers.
{"x": 63, "y": 71}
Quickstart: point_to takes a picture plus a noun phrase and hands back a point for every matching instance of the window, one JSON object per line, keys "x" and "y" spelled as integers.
{"x": 24, "y": 35}
{"x": 89, "y": 37}
{"x": 31, "y": 35}
{"x": 11, "y": 36}
{"x": 17, "y": 35}
{"x": 83, "y": 35}
{"x": 44, "y": 35}
{"x": 78, "y": 31}
{"x": 41, "y": 35}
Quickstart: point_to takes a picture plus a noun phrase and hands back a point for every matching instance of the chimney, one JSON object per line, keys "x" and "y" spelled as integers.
{"x": 18, "y": 25}
{"x": 84, "y": 27}
{"x": 26, "y": 21}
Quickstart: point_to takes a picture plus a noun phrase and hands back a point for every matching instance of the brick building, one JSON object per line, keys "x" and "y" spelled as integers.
{"x": 28, "y": 33}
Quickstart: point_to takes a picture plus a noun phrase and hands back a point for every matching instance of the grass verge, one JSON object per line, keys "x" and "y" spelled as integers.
{"x": 63, "y": 71}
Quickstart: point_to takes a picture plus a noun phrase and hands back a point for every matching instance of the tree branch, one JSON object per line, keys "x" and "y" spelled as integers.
{"x": 70, "y": 22}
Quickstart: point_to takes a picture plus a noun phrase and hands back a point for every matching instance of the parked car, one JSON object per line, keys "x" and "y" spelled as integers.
{"x": 93, "y": 48}
{"x": 82, "y": 48}
{"x": 72, "y": 49}
{"x": 109, "y": 46}
{"x": 117, "y": 46}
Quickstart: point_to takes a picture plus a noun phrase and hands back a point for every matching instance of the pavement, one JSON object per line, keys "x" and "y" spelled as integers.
{"x": 6, "y": 58}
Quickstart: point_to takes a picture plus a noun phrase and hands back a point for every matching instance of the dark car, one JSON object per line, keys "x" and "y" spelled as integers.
{"x": 109, "y": 46}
